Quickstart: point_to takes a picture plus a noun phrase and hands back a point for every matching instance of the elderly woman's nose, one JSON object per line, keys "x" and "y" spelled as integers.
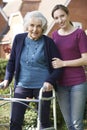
{"x": 34, "y": 28}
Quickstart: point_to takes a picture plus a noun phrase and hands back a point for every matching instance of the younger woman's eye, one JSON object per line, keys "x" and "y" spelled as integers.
{"x": 55, "y": 18}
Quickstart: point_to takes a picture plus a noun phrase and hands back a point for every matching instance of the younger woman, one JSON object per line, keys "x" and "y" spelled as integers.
{"x": 72, "y": 46}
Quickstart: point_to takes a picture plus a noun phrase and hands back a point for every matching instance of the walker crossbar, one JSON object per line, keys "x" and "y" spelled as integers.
{"x": 22, "y": 101}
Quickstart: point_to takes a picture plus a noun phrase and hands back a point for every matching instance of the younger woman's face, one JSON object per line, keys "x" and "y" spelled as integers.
{"x": 35, "y": 28}
{"x": 61, "y": 18}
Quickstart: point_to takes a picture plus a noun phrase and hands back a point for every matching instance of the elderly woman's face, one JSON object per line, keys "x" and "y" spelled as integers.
{"x": 35, "y": 28}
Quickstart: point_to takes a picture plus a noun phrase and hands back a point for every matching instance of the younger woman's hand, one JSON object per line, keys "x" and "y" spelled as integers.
{"x": 57, "y": 63}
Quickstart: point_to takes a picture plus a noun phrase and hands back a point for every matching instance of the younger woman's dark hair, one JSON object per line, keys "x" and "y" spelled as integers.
{"x": 62, "y": 7}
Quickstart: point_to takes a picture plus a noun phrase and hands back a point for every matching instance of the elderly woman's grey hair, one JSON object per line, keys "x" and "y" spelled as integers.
{"x": 35, "y": 14}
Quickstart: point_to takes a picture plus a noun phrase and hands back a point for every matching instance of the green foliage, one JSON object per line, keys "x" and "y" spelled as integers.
{"x": 5, "y": 92}
{"x": 3, "y": 63}
{"x": 30, "y": 119}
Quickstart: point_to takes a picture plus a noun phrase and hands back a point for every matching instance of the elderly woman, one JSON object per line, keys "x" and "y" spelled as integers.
{"x": 30, "y": 63}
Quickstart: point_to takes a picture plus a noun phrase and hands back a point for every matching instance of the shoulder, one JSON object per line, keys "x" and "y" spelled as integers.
{"x": 47, "y": 38}
{"x": 80, "y": 33}
{"x": 19, "y": 38}
{"x": 21, "y": 35}
{"x": 54, "y": 32}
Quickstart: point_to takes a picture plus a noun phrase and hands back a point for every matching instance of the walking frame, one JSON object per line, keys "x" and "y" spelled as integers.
{"x": 53, "y": 99}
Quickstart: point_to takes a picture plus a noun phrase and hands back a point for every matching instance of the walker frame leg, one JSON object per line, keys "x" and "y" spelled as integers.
{"x": 53, "y": 98}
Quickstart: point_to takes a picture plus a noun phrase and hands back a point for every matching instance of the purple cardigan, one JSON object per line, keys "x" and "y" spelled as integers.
{"x": 13, "y": 66}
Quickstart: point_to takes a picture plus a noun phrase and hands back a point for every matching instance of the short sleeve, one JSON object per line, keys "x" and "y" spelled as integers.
{"x": 82, "y": 41}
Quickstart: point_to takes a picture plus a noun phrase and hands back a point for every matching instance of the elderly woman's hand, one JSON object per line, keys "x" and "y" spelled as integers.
{"x": 47, "y": 87}
{"x": 5, "y": 84}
